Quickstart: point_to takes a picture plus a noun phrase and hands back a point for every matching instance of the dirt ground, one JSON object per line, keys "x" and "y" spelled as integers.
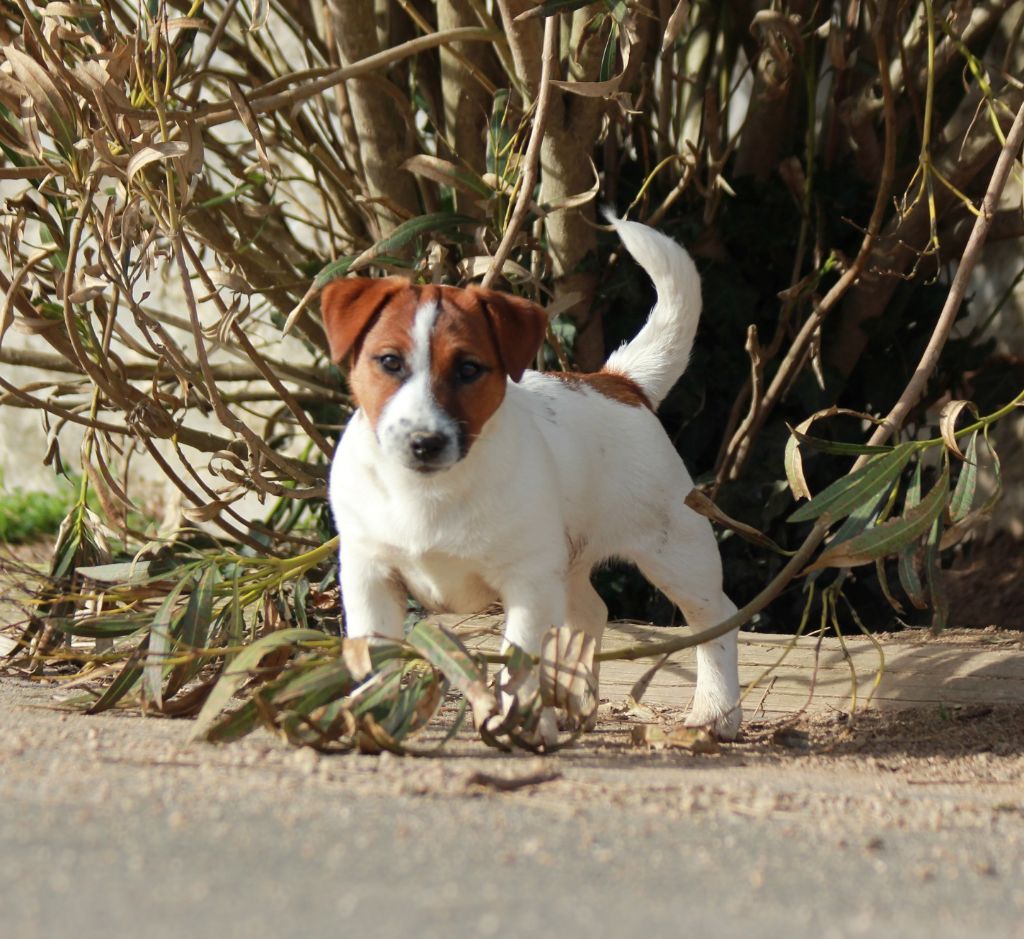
{"x": 906, "y": 822}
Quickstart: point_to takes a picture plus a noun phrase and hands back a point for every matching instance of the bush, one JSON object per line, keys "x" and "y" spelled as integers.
{"x": 190, "y": 177}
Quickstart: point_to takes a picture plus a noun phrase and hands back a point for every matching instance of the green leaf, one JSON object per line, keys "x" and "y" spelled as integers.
{"x": 610, "y": 54}
{"x": 860, "y": 518}
{"x": 997, "y": 473}
{"x": 159, "y": 647}
{"x": 315, "y": 688}
{"x": 553, "y": 7}
{"x": 99, "y": 628}
{"x": 125, "y": 681}
{"x": 132, "y": 572}
{"x": 193, "y": 628}
{"x": 499, "y": 138}
{"x": 339, "y": 268}
{"x": 936, "y": 580}
{"x": 966, "y": 484}
{"x": 883, "y": 582}
{"x": 449, "y": 656}
{"x": 844, "y": 495}
{"x": 239, "y": 669}
{"x": 888, "y": 538}
{"x": 195, "y": 624}
{"x": 837, "y": 447}
{"x": 421, "y": 225}
{"x": 909, "y": 578}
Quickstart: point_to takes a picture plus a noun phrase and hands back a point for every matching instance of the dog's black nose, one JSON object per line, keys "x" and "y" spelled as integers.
{"x": 427, "y": 446}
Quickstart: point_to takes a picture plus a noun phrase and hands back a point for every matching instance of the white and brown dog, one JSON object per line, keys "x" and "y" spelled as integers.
{"x": 464, "y": 478}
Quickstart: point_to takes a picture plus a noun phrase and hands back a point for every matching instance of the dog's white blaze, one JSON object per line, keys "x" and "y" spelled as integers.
{"x": 422, "y": 329}
{"x": 413, "y": 408}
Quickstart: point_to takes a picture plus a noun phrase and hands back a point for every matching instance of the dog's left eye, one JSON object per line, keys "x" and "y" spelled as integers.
{"x": 468, "y": 371}
{"x": 391, "y": 363}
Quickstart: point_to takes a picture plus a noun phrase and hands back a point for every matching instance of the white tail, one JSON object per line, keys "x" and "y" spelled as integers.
{"x": 658, "y": 355}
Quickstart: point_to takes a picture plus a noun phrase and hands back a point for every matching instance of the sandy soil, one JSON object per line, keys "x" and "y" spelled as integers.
{"x": 904, "y": 822}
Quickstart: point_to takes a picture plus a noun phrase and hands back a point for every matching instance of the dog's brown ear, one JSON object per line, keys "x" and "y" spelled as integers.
{"x": 350, "y": 305}
{"x": 519, "y": 326}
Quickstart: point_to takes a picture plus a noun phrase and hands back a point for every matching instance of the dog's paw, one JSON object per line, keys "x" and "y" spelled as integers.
{"x": 571, "y": 724}
{"x": 723, "y": 720}
{"x": 545, "y": 732}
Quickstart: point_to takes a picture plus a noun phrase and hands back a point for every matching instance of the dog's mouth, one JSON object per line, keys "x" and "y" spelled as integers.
{"x": 429, "y": 469}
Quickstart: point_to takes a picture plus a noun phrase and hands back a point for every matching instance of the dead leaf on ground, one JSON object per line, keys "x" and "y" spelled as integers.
{"x": 513, "y": 783}
{"x": 694, "y": 739}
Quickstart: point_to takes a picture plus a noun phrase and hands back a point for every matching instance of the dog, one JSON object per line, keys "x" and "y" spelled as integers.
{"x": 465, "y": 478}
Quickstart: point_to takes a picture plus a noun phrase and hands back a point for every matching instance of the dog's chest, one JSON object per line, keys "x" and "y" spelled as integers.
{"x": 445, "y": 584}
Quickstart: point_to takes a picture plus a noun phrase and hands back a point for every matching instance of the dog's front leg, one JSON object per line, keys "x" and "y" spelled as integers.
{"x": 371, "y": 596}
{"x": 533, "y": 605}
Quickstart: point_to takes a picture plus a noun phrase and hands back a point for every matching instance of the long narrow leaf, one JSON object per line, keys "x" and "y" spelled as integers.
{"x": 447, "y": 654}
{"x": 910, "y": 580}
{"x": 967, "y": 483}
{"x": 125, "y": 681}
{"x": 240, "y": 668}
{"x": 937, "y": 592}
{"x": 889, "y": 537}
{"x": 844, "y": 495}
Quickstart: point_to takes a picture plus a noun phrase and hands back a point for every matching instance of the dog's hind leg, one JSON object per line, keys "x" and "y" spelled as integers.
{"x": 681, "y": 559}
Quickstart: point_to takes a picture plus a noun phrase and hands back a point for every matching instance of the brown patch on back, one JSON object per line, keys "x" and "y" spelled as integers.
{"x": 610, "y": 384}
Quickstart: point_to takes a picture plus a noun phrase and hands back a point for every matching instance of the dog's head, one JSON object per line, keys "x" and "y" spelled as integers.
{"x": 429, "y": 364}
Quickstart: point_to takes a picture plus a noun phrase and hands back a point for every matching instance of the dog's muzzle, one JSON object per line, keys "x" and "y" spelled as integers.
{"x": 429, "y": 450}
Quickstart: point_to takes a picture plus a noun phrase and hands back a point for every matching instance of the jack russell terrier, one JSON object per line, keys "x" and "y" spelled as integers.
{"x": 464, "y": 478}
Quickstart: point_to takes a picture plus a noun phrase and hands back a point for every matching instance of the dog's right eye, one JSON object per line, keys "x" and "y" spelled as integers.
{"x": 391, "y": 363}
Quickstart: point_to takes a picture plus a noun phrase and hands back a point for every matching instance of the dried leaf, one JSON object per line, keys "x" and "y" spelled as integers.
{"x": 154, "y": 153}
{"x": 566, "y": 672}
{"x": 677, "y": 19}
{"x": 448, "y": 174}
{"x": 694, "y": 739}
{"x": 40, "y": 87}
{"x": 947, "y": 423}
{"x": 248, "y": 118}
{"x": 793, "y": 461}
{"x": 511, "y": 783}
{"x": 702, "y": 505}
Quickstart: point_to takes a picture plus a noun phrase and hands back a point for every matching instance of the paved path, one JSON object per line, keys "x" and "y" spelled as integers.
{"x": 113, "y": 825}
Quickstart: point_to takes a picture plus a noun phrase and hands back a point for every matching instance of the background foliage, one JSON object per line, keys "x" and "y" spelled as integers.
{"x": 181, "y": 177}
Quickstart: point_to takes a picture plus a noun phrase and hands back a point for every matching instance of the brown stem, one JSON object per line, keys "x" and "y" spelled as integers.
{"x": 224, "y": 414}
{"x": 792, "y": 569}
{"x": 549, "y": 59}
{"x": 739, "y": 448}
{"x": 930, "y": 357}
